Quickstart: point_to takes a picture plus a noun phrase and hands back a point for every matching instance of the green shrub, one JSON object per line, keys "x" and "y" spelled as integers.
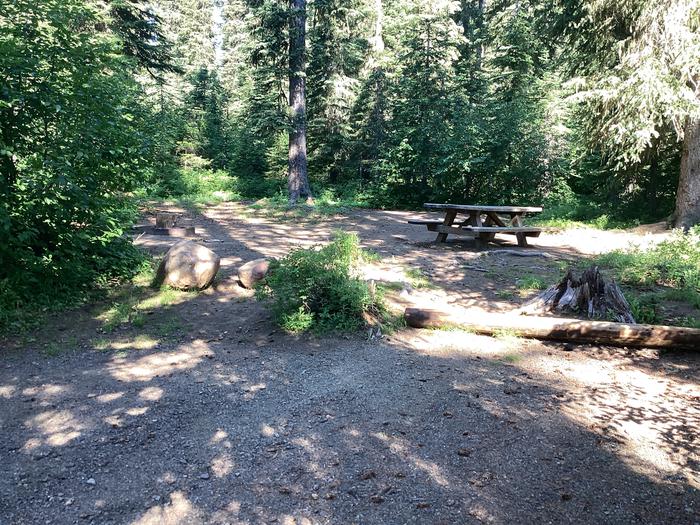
{"x": 644, "y": 308}
{"x": 674, "y": 264}
{"x": 319, "y": 288}
{"x": 64, "y": 279}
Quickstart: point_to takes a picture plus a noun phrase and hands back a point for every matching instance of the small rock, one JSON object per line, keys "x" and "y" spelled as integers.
{"x": 464, "y": 452}
{"x": 204, "y": 475}
{"x": 376, "y": 498}
{"x": 252, "y": 272}
{"x": 91, "y": 481}
{"x": 422, "y": 505}
{"x": 511, "y": 389}
{"x": 368, "y": 474}
{"x": 566, "y": 496}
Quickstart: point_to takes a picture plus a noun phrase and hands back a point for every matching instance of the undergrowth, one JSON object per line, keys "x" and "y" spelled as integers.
{"x": 195, "y": 184}
{"x": 66, "y": 281}
{"x": 668, "y": 271}
{"x": 320, "y": 289}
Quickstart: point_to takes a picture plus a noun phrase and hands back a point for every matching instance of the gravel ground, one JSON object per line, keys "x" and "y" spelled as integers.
{"x": 208, "y": 414}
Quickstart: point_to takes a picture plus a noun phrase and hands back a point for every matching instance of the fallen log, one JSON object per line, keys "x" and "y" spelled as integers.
{"x": 560, "y": 329}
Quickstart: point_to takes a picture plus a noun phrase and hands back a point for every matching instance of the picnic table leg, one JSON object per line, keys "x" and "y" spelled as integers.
{"x": 516, "y": 219}
{"x": 449, "y": 219}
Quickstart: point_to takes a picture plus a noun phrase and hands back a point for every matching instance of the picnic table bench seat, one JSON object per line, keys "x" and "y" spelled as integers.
{"x": 474, "y": 226}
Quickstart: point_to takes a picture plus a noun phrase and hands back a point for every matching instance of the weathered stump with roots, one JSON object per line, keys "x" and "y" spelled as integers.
{"x": 590, "y": 295}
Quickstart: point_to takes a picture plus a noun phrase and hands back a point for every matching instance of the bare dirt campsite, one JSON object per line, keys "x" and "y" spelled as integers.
{"x": 309, "y": 262}
{"x": 185, "y": 407}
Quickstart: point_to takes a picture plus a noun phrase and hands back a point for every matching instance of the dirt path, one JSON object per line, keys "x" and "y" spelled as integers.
{"x": 205, "y": 413}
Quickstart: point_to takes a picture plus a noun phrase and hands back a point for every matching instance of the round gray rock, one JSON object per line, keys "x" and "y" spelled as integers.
{"x": 187, "y": 265}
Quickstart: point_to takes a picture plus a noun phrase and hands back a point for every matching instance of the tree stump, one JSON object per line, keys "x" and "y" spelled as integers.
{"x": 165, "y": 220}
{"x": 590, "y": 296}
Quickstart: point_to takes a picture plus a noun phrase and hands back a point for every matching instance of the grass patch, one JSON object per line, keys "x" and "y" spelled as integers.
{"x": 169, "y": 327}
{"x": 326, "y": 204}
{"x": 320, "y": 289}
{"x": 395, "y": 286}
{"x": 447, "y": 327}
{"x": 117, "y": 315}
{"x": 507, "y": 336}
{"x": 580, "y": 214}
{"x": 512, "y": 358}
{"x": 689, "y": 322}
{"x": 529, "y": 284}
{"x": 166, "y": 296}
{"x": 53, "y": 349}
{"x": 131, "y": 302}
{"x": 673, "y": 265}
{"x": 505, "y": 294}
{"x": 418, "y": 279}
{"x": 101, "y": 344}
{"x": 683, "y": 295}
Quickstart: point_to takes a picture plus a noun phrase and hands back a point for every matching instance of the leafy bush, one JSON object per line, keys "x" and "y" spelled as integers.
{"x": 73, "y": 122}
{"x": 64, "y": 279}
{"x": 319, "y": 288}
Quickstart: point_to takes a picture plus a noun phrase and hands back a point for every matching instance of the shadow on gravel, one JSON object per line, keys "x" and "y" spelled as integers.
{"x": 265, "y": 428}
{"x": 207, "y": 414}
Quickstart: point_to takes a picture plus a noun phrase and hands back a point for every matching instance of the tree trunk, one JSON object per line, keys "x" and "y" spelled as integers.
{"x": 298, "y": 179}
{"x": 687, "y": 212}
{"x": 480, "y": 25}
{"x": 378, "y": 27}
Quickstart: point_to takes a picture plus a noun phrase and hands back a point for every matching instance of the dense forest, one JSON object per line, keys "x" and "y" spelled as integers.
{"x": 588, "y": 107}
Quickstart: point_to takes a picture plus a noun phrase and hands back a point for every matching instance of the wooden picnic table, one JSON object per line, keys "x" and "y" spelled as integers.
{"x": 482, "y": 222}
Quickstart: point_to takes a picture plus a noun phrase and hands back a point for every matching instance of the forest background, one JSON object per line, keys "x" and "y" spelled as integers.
{"x": 583, "y": 106}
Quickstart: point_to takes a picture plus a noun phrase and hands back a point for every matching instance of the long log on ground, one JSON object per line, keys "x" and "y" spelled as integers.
{"x": 560, "y": 329}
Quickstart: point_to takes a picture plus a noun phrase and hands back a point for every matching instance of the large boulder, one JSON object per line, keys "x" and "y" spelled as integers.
{"x": 187, "y": 265}
{"x": 252, "y": 272}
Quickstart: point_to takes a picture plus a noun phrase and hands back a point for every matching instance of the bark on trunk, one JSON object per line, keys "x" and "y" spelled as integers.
{"x": 298, "y": 179}
{"x": 687, "y": 212}
{"x": 378, "y": 27}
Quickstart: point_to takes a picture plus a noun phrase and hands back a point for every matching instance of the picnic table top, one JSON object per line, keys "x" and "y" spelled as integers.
{"x": 478, "y": 207}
